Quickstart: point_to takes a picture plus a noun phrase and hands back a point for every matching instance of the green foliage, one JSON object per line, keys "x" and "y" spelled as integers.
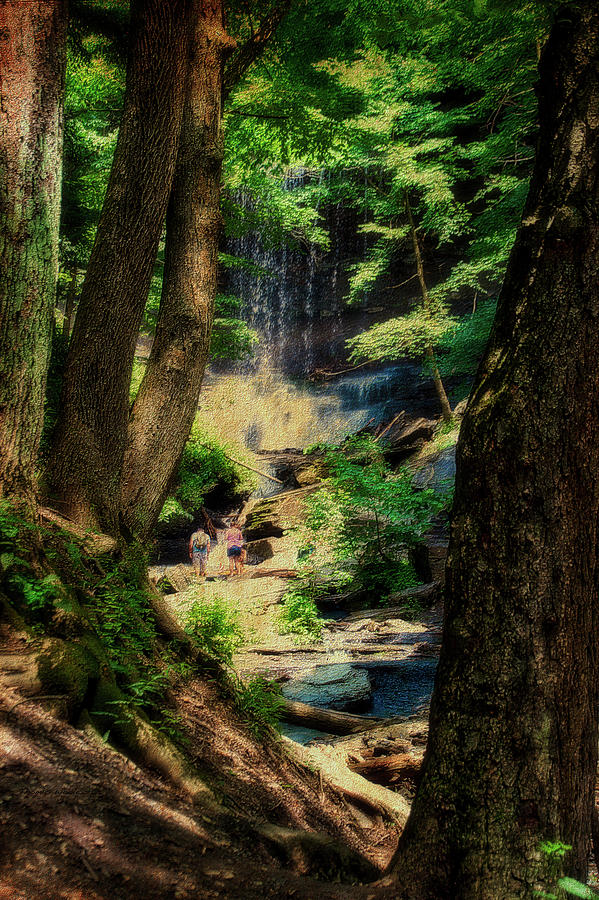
{"x": 139, "y": 368}
{"x": 554, "y": 853}
{"x": 34, "y": 592}
{"x": 576, "y": 889}
{"x": 463, "y": 347}
{"x": 206, "y": 466}
{"x": 359, "y": 528}
{"x": 121, "y": 614}
{"x": 215, "y": 627}
{"x": 111, "y": 593}
{"x": 408, "y": 335}
{"x": 94, "y": 94}
{"x": 259, "y": 703}
{"x": 299, "y": 613}
{"x": 231, "y": 337}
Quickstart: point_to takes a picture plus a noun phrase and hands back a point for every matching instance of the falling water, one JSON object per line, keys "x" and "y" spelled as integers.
{"x": 299, "y": 312}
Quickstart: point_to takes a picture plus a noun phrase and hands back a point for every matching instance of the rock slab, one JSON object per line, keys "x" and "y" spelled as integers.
{"x": 338, "y": 686}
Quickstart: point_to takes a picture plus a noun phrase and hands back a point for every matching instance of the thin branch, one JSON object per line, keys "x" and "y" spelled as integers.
{"x": 254, "y": 47}
{"x": 239, "y": 112}
{"x": 401, "y": 284}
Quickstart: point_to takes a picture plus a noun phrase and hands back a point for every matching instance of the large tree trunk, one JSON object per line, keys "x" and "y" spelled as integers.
{"x": 92, "y": 428}
{"x": 32, "y": 48}
{"x": 166, "y": 403}
{"x": 512, "y": 752}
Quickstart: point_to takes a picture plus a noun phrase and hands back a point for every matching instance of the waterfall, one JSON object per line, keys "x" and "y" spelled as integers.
{"x": 297, "y": 307}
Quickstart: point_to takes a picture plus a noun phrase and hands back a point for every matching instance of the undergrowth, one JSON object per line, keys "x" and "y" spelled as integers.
{"x": 299, "y": 612}
{"x": 55, "y": 585}
{"x": 215, "y": 628}
{"x": 358, "y": 533}
{"x": 206, "y": 466}
{"x": 60, "y": 590}
{"x": 258, "y": 702}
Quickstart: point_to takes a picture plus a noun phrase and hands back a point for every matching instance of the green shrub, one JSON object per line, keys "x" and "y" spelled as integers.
{"x": 204, "y": 467}
{"x": 259, "y": 703}
{"x": 463, "y": 347}
{"x": 299, "y": 613}
{"x": 359, "y": 529}
{"x": 215, "y": 627}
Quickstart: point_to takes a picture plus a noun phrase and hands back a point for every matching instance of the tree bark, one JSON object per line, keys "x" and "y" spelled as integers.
{"x": 512, "y": 752}
{"x": 166, "y": 402}
{"x": 91, "y": 433}
{"x": 32, "y": 64}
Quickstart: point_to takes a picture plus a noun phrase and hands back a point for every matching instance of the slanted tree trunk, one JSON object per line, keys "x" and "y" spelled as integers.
{"x": 426, "y": 301}
{"x": 92, "y": 428}
{"x": 32, "y": 60}
{"x": 512, "y": 752}
{"x": 166, "y": 402}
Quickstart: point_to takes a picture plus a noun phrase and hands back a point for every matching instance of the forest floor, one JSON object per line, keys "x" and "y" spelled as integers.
{"x": 80, "y": 821}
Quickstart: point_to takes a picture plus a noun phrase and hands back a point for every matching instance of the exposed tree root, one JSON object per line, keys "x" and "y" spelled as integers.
{"x": 317, "y": 853}
{"x": 353, "y": 786}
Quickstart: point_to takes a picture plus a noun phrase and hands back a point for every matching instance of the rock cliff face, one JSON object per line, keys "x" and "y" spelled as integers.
{"x": 300, "y": 310}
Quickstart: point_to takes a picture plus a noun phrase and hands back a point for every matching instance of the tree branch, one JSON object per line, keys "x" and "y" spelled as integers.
{"x": 253, "y": 48}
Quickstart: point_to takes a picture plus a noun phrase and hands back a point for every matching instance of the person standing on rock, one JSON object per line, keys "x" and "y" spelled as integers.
{"x": 199, "y": 550}
{"x": 234, "y": 540}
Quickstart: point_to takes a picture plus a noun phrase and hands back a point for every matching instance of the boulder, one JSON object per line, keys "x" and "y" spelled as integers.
{"x": 258, "y": 551}
{"x": 338, "y": 686}
{"x": 437, "y": 471}
{"x": 437, "y": 557}
{"x": 404, "y": 439}
{"x": 180, "y": 577}
{"x": 264, "y": 521}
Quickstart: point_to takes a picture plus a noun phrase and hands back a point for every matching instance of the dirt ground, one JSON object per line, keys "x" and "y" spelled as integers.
{"x": 80, "y": 822}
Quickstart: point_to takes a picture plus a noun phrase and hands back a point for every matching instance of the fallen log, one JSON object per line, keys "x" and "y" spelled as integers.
{"x": 356, "y": 789}
{"x": 252, "y": 469}
{"x": 274, "y": 573}
{"x": 424, "y": 593}
{"x": 399, "y": 416}
{"x": 272, "y": 651}
{"x": 390, "y": 769}
{"x": 328, "y": 720}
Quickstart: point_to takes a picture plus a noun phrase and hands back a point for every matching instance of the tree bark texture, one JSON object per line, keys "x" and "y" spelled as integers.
{"x": 91, "y": 433}
{"x": 512, "y": 751}
{"x": 32, "y": 65}
{"x": 166, "y": 403}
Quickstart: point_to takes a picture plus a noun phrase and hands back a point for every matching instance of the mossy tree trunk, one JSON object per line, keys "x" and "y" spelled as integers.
{"x": 512, "y": 752}
{"x": 166, "y": 402}
{"x": 32, "y": 54}
{"x": 92, "y": 427}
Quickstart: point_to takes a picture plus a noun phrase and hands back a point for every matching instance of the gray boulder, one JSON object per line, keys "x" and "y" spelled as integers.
{"x": 338, "y": 686}
{"x": 437, "y": 472}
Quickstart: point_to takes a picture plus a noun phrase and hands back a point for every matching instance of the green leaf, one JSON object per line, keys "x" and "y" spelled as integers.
{"x": 576, "y": 888}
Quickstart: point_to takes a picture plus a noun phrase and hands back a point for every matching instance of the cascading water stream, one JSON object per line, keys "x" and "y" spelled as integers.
{"x": 298, "y": 309}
